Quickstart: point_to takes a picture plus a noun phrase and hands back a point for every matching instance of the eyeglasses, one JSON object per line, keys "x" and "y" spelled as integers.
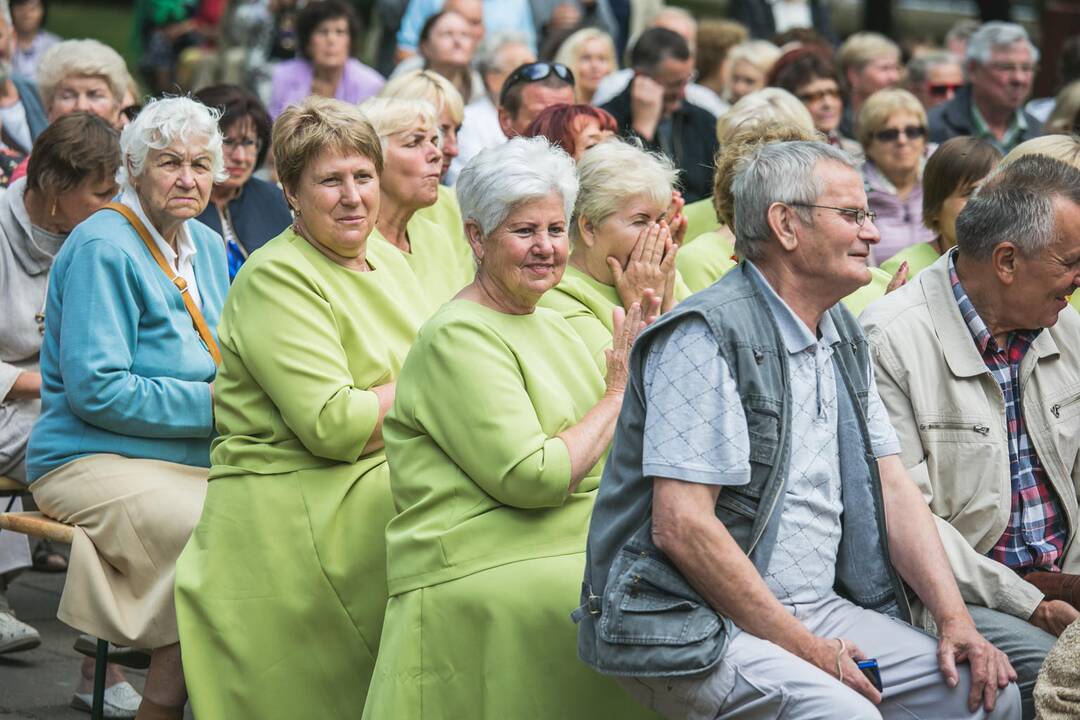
{"x": 535, "y": 72}
{"x": 859, "y": 214}
{"x": 943, "y": 89}
{"x": 1010, "y": 68}
{"x": 248, "y": 145}
{"x": 911, "y": 132}
{"x": 814, "y": 97}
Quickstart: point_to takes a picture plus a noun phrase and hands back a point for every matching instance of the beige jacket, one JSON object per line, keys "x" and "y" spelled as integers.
{"x": 950, "y": 416}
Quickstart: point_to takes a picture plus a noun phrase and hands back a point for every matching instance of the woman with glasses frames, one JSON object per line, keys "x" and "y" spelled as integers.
{"x": 809, "y": 74}
{"x": 246, "y": 211}
{"x": 891, "y": 126}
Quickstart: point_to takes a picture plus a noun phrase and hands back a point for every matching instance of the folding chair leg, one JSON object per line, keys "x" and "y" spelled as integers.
{"x": 97, "y": 710}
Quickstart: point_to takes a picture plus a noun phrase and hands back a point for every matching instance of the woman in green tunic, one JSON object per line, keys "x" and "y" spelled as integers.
{"x": 409, "y": 132}
{"x": 496, "y": 440}
{"x": 623, "y": 246}
{"x": 281, "y": 590}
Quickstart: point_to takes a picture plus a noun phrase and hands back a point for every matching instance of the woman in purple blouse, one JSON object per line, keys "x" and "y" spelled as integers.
{"x": 325, "y": 31}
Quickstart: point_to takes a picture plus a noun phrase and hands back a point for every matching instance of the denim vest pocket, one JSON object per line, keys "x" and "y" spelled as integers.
{"x": 648, "y": 602}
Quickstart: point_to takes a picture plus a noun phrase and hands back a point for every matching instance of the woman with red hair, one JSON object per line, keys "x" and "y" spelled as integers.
{"x": 574, "y": 128}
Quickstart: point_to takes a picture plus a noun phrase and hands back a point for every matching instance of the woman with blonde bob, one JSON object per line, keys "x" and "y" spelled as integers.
{"x": 891, "y": 126}
{"x": 409, "y": 134}
{"x": 623, "y": 247}
{"x": 82, "y": 76}
{"x": 748, "y": 65}
{"x": 497, "y": 436}
{"x": 128, "y": 365}
{"x": 590, "y": 55}
{"x": 281, "y": 591}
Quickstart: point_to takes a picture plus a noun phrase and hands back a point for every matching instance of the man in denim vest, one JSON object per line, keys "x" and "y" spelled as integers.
{"x": 739, "y": 561}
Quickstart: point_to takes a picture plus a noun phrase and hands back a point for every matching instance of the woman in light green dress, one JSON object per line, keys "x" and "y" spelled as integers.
{"x": 950, "y": 177}
{"x": 409, "y": 132}
{"x": 623, "y": 247}
{"x": 281, "y": 590}
{"x": 496, "y": 440}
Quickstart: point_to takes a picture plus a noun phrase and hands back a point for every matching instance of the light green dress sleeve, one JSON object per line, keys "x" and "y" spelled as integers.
{"x": 482, "y": 395}
{"x": 290, "y": 345}
{"x": 706, "y": 261}
{"x": 858, "y": 301}
{"x": 918, "y": 257}
{"x": 700, "y": 218}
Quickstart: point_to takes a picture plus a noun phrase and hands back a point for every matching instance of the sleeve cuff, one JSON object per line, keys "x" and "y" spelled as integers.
{"x": 700, "y": 475}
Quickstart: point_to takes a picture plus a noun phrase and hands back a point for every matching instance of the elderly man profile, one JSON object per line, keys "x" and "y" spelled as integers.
{"x": 755, "y": 534}
{"x": 1001, "y": 65}
{"x": 979, "y": 370}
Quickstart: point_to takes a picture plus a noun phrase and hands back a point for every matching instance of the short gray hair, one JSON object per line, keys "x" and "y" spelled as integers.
{"x": 501, "y": 177}
{"x": 1016, "y": 204}
{"x": 490, "y": 50}
{"x": 996, "y": 34}
{"x": 920, "y": 65}
{"x": 81, "y": 58}
{"x": 163, "y": 122}
{"x": 784, "y": 172}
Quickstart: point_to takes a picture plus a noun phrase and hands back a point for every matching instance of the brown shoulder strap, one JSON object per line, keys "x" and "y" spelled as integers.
{"x": 197, "y": 318}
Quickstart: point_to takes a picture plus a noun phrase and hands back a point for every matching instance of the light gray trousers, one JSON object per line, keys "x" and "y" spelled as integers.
{"x": 757, "y": 680}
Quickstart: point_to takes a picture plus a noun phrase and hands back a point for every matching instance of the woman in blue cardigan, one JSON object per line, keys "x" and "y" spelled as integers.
{"x": 128, "y": 361}
{"x": 246, "y": 211}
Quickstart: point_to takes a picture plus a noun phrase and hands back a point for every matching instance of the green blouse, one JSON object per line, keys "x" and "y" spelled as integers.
{"x": 706, "y": 261}
{"x": 298, "y": 354}
{"x": 477, "y": 474}
{"x": 918, "y": 257}
{"x": 586, "y": 303}
{"x": 857, "y": 301}
{"x": 442, "y": 263}
{"x": 700, "y": 218}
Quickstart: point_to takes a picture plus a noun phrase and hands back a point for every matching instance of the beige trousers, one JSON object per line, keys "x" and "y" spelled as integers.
{"x": 133, "y": 516}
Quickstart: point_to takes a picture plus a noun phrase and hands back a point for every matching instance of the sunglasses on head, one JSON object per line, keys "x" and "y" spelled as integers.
{"x": 944, "y": 89}
{"x": 534, "y": 72}
{"x": 911, "y": 132}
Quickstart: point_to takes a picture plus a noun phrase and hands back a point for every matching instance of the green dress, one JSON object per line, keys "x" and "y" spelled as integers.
{"x": 918, "y": 257}
{"x": 857, "y": 301}
{"x": 446, "y": 213}
{"x": 700, "y": 218}
{"x": 281, "y": 590}
{"x": 587, "y": 303}
{"x": 442, "y": 263}
{"x": 706, "y": 261}
{"x": 487, "y": 551}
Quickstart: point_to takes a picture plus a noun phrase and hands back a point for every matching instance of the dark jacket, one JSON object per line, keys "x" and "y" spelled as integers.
{"x": 694, "y": 140}
{"x": 259, "y": 214}
{"x": 953, "y": 118}
{"x": 757, "y": 16}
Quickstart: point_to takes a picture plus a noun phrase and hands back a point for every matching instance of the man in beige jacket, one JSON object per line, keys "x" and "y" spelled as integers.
{"x": 978, "y": 363}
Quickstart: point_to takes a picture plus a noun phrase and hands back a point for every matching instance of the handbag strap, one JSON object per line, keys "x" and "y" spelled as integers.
{"x": 197, "y": 318}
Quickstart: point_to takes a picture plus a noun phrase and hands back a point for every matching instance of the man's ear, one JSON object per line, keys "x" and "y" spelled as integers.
{"x": 1005, "y": 258}
{"x": 782, "y": 222}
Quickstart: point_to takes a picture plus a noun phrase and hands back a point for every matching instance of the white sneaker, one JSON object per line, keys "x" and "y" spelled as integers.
{"x": 16, "y": 635}
{"x": 121, "y": 701}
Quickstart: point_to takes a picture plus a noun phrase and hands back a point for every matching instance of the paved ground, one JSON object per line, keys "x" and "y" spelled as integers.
{"x": 37, "y": 684}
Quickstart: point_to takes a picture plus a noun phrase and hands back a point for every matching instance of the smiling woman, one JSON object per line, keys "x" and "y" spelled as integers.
{"x": 313, "y": 335}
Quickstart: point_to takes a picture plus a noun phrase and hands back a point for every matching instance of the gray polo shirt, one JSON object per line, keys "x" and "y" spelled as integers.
{"x": 695, "y": 431}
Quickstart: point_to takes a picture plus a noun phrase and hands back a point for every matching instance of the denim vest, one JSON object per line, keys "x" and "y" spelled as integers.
{"x": 639, "y": 616}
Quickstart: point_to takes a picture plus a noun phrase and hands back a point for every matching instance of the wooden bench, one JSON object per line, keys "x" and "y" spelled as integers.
{"x": 36, "y": 524}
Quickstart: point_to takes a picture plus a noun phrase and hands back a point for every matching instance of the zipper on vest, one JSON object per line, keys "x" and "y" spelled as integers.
{"x": 1055, "y": 409}
{"x": 981, "y": 429}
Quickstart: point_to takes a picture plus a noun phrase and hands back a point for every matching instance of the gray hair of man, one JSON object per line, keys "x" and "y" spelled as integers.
{"x": 165, "y": 121}
{"x": 1016, "y": 204}
{"x": 500, "y": 178}
{"x": 784, "y": 172}
{"x": 490, "y": 50}
{"x": 919, "y": 66}
{"x": 993, "y": 35}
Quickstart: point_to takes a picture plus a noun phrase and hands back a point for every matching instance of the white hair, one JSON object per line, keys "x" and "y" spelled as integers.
{"x": 81, "y": 58}
{"x": 161, "y": 123}
{"x": 762, "y": 107}
{"x": 501, "y": 177}
{"x": 996, "y": 34}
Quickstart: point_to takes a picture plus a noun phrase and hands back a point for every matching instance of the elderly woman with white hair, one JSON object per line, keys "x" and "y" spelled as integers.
{"x": 82, "y": 76}
{"x": 280, "y": 593}
{"x": 623, "y": 247}
{"x": 128, "y": 361}
{"x": 409, "y": 133}
{"x": 496, "y": 441}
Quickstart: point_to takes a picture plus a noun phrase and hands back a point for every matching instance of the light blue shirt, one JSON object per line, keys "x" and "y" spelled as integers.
{"x": 123, "y": 369}
{"x": 499, "y": 16}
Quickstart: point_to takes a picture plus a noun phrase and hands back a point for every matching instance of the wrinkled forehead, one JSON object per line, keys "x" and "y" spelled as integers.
{"x": 839, "y": 184}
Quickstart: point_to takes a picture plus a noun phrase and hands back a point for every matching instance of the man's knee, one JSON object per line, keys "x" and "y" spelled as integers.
{"x": 1009, "y": 704}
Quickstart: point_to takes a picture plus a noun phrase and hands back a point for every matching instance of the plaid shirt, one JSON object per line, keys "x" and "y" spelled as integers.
{"x": 980, "y": 129}
{"x": 1035, "y": 536}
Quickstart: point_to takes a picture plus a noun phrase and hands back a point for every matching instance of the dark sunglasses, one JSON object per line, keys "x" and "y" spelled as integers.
{"x": 943, "y": 89}
{"x": 911, "y": 132}
{"x": 813, "y": 97}
{"x": 534, "y": 72}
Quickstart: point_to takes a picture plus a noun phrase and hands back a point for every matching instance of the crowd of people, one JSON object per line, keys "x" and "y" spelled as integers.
{"x": 747, "y": 352}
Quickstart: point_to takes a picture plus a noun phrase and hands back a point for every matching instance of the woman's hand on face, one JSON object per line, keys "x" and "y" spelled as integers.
{"x": 677, "y": 222}
{"x": 643, "y": 267}
{"x": 667, "y": 266}
{"x": 899, "y": 279}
